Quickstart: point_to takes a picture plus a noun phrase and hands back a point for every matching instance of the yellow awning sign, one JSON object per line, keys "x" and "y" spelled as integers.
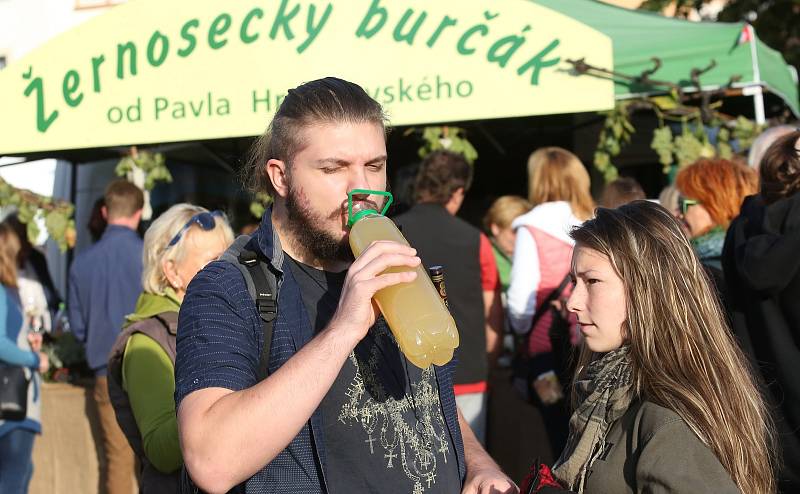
{"x": 153, "y": 71}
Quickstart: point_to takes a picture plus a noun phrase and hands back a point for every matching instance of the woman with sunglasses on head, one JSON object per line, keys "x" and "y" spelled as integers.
{"x": 142, "y": 362}
{"x": 664, "y": 399}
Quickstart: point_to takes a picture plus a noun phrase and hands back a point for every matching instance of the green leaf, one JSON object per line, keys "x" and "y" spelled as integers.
{"x": 664, "y": 102}
{"x": 56, "y": 223}
{"x": 616, "y": 129}
{"x": 33, "y": 231}
{"x": 662, "y": 144}
{"x": 725, "y": 150}
{"x": 601, "y": 160}
{"x": 688, "y": 149}
{"x": 610, "y": 174}
{"x": 257, "y": 209}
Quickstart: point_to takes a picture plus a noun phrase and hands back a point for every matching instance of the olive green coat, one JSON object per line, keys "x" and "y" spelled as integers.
{"x": 652, "y": 450}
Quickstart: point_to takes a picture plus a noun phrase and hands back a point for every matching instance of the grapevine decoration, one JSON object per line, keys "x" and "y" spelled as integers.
{"x": 445, "y": 138}
{"x": 617, "y": 131}
{"x": 152, "y": 167}
{"x": 57, "y": 214}
{"x": 674, "y": 150}
{"x": 144, "y": 169}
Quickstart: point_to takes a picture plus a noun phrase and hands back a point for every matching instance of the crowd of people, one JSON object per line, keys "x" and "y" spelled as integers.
{"x": 658, "y": 340}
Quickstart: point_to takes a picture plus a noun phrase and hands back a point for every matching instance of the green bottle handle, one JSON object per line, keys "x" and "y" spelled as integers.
{"x": 351, "y": 220}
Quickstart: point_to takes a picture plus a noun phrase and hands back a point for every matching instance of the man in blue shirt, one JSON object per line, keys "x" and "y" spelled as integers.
{"x": 341, "y": 409}
{"x": 104, "y": 282}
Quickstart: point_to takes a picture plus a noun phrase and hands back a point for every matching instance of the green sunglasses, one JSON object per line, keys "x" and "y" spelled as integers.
{"x": 686, "y": 203}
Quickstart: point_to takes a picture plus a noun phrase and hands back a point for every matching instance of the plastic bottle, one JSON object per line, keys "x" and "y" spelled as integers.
{"x": 417, "y": 316}
{"x": 62, "y": 320}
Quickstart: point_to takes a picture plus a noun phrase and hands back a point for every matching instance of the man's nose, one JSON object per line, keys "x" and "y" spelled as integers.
{"x": 358, "y": 180}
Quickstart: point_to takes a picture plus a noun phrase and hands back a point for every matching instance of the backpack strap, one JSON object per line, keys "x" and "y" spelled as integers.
{"x": 262, "y": 285}
{"x": 266, "y": 299}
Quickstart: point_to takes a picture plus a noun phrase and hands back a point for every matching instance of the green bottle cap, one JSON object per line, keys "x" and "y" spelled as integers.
{"x": 352, "y": 218}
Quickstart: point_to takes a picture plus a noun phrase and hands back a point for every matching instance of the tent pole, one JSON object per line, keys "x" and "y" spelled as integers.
{"x": 758, "y": 93}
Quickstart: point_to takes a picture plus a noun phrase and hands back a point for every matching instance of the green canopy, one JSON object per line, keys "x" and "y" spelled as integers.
{"x": 682, "y": 45}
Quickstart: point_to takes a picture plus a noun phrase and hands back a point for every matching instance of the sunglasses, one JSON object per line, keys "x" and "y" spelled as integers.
{"x": 205, "y": 220}
{"x": 685, "y": 203}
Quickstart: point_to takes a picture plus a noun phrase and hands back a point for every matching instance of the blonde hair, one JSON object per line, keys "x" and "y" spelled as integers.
{"x": 158, "y": 236}
{"x": 669, "y": 199}
{"x": 9, "y": 250}
{"x": 504, "y": 210}
{"x": 683, "y": 356}
{"x": 555, "y": 174}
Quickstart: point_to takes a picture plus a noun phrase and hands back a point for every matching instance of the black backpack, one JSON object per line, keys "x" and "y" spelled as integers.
{"x": 262, "y": 284}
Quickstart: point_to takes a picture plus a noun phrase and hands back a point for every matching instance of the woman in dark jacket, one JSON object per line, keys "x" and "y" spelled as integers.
{"x": 761, "y": 260}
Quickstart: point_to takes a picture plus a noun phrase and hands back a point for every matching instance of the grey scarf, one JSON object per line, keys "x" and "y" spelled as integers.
{"x": 605, "y": 394}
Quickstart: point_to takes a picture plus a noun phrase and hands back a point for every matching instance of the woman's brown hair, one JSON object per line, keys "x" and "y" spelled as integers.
{"x": 720, "y": 185}
{"x": 780, "y": 169}
{"x": 683, "y": 355}
{"x": 9, "y": 249}
{"x": 555, "y": 174}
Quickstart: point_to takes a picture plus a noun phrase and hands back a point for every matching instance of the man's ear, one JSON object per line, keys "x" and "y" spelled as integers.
{"x": 277, "y": 174}
{"x": 104, "y": 212}
{"x": 457, "y": 197}
{"x": 495, "y": 229}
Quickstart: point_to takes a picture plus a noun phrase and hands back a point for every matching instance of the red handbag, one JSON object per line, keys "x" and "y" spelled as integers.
{"x": 540, "y": 480}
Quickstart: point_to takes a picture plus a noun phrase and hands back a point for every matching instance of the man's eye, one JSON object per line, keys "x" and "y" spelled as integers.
{"x": 330, "y": 170}
{"x": 376, "y": 166}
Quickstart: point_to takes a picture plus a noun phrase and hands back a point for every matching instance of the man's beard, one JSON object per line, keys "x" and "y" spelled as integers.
{"x": 307, "y": 229}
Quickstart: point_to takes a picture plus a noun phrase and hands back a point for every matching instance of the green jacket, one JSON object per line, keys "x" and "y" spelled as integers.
{"x": 652, "y": 450}
{"x": 141, "y": 387}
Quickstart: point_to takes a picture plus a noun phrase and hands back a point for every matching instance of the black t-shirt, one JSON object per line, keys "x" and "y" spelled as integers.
{"x": 384, "y": 427}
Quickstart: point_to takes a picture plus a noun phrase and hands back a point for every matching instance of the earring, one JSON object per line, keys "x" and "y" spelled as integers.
{"x": 177, "y": 285}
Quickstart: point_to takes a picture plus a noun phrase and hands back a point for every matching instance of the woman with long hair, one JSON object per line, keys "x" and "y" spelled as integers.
{"x": 17, "y": 348}
{"x": 558, "y": 189}
{"x": 664, "y": 399}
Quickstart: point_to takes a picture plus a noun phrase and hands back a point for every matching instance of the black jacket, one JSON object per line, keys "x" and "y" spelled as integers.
{"x": 761, "y": 261}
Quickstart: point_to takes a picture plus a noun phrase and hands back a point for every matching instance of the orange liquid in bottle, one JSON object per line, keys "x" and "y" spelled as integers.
{"x": 416, "y": 314}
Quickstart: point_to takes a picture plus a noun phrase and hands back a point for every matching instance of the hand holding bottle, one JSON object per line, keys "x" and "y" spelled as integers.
{"x": 368, "y": 275}
{"x": 417, "y": 316}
